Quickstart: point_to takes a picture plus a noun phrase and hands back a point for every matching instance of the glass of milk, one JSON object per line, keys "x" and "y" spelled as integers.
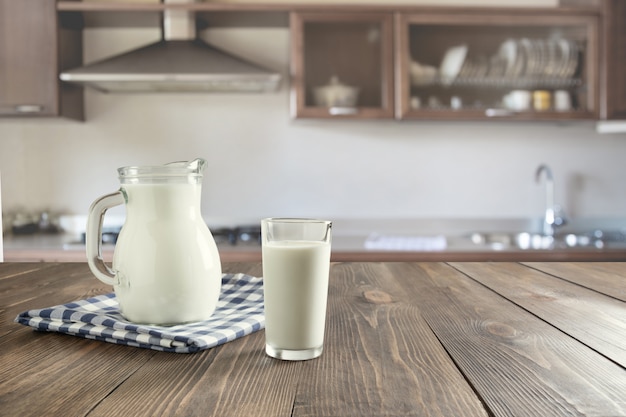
{"x": 296, "y": 263}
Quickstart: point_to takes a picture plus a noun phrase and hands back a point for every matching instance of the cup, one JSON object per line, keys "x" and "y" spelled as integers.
{"x": 296, "y": 264}
{"x": 541, "y": 100}
{"x": 562, "y": 100}
{"x": 518, "y": 100}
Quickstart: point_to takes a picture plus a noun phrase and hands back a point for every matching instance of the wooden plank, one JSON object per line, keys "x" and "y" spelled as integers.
{"x": 254, "y": 269}
{"x": 9, "y": 270}
{"x": 41, "y": 365}
{"x": 402, "y": 339}
{"x": 517, "y": 363}
{"x": 452, "y": 255}
{"x": 606, "y": 277}
{"x": 380, "y": 358}
{"x": 62, "y": 375}
{"x": 594, "y": 319}
{"x": 44, "y": 287}
{"x": 235, "y": 379}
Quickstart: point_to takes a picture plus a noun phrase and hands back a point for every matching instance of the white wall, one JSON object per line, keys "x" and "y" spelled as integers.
{"x": 262, "y": 163}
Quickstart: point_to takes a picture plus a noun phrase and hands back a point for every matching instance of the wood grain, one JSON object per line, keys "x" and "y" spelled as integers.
{"x": 515, "y": 361}
{"x": 608, "y": 277}
{"x": 391, "y": 363}
{"x": 44, "y": 285}
{"x": 595, "y": 320}
{"x": 613, "y": 62}
{"x": 233, "y": 380}
{"x": 402, "y": 339}
{"x": 62, "y": 375}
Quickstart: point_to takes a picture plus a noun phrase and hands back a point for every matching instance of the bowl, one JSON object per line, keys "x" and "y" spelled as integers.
{"x": 336, "y": 94}
{"x": 422, "y": 74}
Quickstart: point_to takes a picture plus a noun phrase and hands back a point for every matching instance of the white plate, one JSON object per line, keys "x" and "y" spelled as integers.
{"x": 508, "y": 51}
{"x": 573, "y": 60}
{"x": 564, "y": 57}
{"x": 452, "y": 63}
{"x": 531, "y": 62}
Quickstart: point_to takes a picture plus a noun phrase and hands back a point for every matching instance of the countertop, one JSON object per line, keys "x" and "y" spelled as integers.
{"x": 345, "y": 247}
{"x": 402, "y": 339}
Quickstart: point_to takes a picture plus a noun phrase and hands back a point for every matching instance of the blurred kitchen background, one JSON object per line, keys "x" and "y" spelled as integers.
{"x": 364, "y": 174}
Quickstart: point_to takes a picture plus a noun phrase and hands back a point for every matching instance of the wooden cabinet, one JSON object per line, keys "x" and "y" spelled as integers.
{"x": 474, "y": 65}
{"x": 342, "y": 65}
{"x": 394, "y": 61}
{"x": 32, "y": 49}
{"x": 449, "y": 63}
{"x": 614, "y": 62}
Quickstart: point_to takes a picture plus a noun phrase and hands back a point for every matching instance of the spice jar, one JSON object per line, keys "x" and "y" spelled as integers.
{"x": 541, "y": 100}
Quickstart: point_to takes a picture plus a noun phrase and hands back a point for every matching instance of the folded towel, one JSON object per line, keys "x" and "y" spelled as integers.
{"x": 239, "y": 312}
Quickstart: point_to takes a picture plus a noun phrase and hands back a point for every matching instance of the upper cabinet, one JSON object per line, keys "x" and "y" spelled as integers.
{"x": 482, "y": 65}
{"x": 32, "y": 49}
{"x": 448, "y": 63}
{"x": 360, "y": 61}
{"x": 342, "y": 65}
{"x": 614, "y": 62}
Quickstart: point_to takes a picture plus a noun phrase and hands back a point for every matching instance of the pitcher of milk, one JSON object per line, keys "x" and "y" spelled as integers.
{"x": 166, "y": 268}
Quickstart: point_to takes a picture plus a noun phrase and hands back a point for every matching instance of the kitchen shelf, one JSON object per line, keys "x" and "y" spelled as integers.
{"x": 438, "y": 56}
{"x": 504, "y": 82}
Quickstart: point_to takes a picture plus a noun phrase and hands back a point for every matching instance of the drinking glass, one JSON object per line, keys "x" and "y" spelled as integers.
{"x": 296, "y": 264}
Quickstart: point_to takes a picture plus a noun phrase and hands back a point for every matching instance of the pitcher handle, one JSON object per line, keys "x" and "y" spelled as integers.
{"x": 93, "y": 237}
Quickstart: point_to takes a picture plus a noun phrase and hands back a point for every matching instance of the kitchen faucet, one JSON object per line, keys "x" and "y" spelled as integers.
{"x": 554, "y": 215}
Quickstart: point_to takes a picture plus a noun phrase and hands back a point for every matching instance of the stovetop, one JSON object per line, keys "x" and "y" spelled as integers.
{"x": 245, "y": 235}
{"x": 238, "y": 235}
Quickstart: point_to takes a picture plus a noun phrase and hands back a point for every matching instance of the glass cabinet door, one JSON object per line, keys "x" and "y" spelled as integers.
{"x": 342, "y": 65}
{"x": 511, "y": 66}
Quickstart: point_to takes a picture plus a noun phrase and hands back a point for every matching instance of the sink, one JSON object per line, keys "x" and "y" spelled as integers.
{"x": 596, "y": 239}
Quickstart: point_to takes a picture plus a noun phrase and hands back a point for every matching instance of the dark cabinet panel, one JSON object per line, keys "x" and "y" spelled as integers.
{"x": 614, "y": 75}
{"x": 30, "y": 60}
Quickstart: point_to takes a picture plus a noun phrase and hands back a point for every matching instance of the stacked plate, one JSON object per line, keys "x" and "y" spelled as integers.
{"x": 553, "y": 59}
{"x": 527, "y": 58}
{"x": 556, "y": 58}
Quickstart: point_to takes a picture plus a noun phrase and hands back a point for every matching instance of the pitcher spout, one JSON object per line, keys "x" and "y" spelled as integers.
{"x": 195, "y": 166}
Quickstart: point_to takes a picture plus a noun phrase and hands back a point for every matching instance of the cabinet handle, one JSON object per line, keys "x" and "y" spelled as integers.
{"x": 342, "y": 111}
{"x": 498, "y": 113}
{"x": 29, "y": 108}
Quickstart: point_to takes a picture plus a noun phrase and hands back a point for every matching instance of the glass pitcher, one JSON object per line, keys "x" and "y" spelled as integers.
{"x": 166, "y": 268}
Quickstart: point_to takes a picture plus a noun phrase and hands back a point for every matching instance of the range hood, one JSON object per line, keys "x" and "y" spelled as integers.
{"x": 180, "y": 62}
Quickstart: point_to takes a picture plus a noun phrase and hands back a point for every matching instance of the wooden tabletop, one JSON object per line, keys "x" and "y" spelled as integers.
{"x": 403, "y": 339}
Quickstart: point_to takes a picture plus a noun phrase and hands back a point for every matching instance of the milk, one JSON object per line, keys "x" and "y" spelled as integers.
{"x": 295, "y": 280}
{"x": 166, "y": 261}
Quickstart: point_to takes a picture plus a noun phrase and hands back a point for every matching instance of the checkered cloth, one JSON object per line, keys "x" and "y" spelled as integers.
{"x": 239, "y": 312}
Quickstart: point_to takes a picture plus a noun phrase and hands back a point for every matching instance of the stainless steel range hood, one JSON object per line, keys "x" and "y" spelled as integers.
{"x": 180, "y": 62}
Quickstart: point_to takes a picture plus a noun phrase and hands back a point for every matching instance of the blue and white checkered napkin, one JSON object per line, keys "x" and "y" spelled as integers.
{"x": 239, "y": 312}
